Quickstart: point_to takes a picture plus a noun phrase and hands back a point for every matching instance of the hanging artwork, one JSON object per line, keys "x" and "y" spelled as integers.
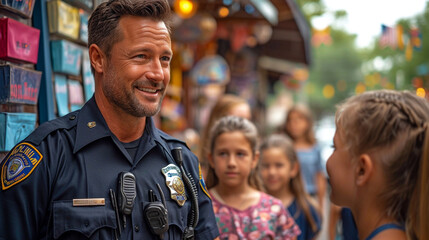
{"x": 200, "y": 28}
{"x": 61, "y": 95}
{"x": 211, "y": 69}
{"x": 18, "y": 42}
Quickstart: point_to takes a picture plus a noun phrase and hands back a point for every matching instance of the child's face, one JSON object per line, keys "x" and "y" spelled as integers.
{"x": 232, "y": 159}
{"x": 297, "y": 124}
{"x": 341, "y": 173}
{"x": 276, "y": 169}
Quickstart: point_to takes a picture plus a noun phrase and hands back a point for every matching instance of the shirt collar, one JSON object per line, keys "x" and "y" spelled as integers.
{"x": 91, "y": 125}
{"x": 162, "y": 139}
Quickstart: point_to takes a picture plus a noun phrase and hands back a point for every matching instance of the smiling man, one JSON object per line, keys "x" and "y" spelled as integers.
{"x": 105, "y": 171}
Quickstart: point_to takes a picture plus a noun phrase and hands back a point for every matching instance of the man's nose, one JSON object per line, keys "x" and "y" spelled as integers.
{"x": 155, "y": 72}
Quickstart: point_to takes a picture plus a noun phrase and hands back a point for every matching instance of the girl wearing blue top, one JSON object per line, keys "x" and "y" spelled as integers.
{"x": 299, "y": 127}
{"x": 379, "y": 167}
{"x": 280, "y": 172}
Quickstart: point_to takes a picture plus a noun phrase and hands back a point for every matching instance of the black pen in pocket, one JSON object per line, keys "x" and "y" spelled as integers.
{"x": 115, "y": 207}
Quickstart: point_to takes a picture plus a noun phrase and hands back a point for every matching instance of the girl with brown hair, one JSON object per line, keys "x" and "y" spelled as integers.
{"x": 242, "y": 210}
{"x": 281, "y": 176}
{"x": 299, "y": 127}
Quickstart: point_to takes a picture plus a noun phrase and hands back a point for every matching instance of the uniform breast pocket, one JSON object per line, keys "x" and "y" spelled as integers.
{"x": 89, "y": 222}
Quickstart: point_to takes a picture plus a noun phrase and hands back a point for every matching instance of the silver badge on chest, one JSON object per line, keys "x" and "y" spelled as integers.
{"x": 174, "y": 183}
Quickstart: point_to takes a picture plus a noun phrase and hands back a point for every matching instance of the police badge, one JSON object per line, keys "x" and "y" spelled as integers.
{"x": 174, "y": 183}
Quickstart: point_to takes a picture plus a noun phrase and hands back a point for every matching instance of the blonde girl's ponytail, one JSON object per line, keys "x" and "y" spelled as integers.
{"x": 424, "y": 188}
{"x": 419, "y": 205}
{"x": 393, "y": 127}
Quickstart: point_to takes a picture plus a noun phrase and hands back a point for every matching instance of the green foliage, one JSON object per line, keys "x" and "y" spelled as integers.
{"x": 338, "y": 65}
{"x": 311, "y": 8}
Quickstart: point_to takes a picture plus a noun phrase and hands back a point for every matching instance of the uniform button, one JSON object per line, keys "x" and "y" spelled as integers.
{"x": 72, "y": 117}
{"x": 136, "y": 228}
{"x": 86, "y": 223}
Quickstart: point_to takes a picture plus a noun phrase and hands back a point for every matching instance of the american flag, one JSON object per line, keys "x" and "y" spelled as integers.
{"x": 389, "y": 37}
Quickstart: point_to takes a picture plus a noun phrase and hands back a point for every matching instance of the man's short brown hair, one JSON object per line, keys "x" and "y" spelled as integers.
{"x": 102, "y": 25}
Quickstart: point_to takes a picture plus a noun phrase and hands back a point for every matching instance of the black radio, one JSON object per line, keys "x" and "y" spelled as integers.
{"x": 156, "y": 214}
{"x": 126, "y": 192}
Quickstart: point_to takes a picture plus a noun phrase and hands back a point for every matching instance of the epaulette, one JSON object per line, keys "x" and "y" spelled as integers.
{"x": 66, "y": 122}
{"x": 172, "y": 141}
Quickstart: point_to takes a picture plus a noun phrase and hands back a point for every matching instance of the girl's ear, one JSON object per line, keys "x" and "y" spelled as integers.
{"x": 211, "y": 162}
{"x": 294, "y": 169}
{"x": 364, "y": 169}
{"x": 97, "y": 58}
{"x": 255, "y": 160}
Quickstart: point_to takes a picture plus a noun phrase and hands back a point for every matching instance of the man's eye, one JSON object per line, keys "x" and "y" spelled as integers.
{"x": 165, "y": 58}
{"x": 143, "y": 56}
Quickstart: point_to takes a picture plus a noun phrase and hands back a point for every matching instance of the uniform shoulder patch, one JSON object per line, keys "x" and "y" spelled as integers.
{"x": 19, "y": 164}
{"x": 202, "y": 183}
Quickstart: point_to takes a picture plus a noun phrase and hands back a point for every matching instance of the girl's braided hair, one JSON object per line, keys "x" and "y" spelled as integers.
{"x": 392, "y": 127}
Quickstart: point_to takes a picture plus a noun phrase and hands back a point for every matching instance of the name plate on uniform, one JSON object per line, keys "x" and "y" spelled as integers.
{"x": 86, "y": 202}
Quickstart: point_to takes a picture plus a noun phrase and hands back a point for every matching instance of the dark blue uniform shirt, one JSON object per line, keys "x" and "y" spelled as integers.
{"x": 78, "y": 157}
{"x": 303, "y": 223}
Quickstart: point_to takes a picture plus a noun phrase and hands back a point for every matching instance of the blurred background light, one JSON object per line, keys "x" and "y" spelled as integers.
{"x": 421, "y": 92}
{"x": 328, "y": 91}
{"x": 185, "y": 8}
{"x": 223, "y": 12}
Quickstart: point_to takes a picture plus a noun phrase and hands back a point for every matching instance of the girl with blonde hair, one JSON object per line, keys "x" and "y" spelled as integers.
{"x": 379, "y": 167}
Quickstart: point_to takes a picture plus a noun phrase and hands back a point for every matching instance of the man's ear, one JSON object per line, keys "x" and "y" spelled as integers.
{"x": 364, "y": 169}
{"x": 97, "y": 58}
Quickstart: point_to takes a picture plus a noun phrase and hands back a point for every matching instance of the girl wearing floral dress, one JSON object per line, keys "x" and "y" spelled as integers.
{"x": 242, "y": 210}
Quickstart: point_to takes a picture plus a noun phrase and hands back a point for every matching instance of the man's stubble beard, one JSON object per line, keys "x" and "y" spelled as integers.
{"x": 126, "y": 100}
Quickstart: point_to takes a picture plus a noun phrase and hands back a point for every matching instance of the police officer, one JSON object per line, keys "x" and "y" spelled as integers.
{"x": 105, "y": 171}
